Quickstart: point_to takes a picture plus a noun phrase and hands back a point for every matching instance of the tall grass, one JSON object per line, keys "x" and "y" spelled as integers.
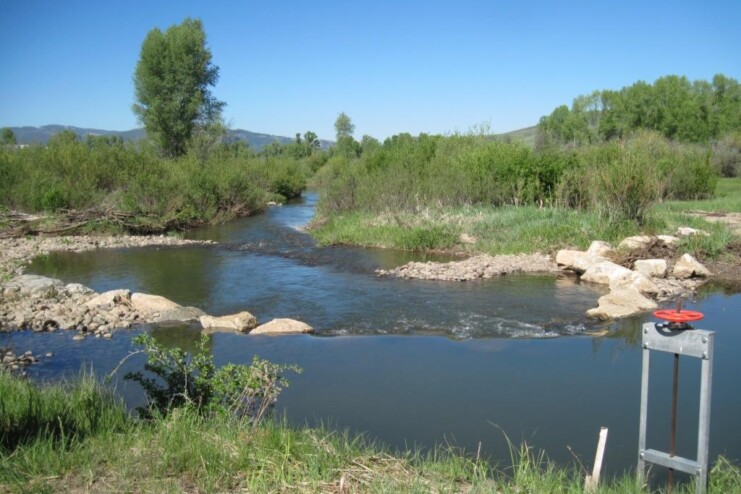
{"x": 187, "y": 451}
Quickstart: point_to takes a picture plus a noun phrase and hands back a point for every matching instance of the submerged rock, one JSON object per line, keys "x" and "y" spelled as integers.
{"x": 621, "y": 302}
{"x": 283, "y": 326}
{"x": 150, "y": 304}
{"x": 242, "y": 322}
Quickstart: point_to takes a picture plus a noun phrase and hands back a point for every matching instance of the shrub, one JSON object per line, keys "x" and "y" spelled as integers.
{"x": 181, "y": 379}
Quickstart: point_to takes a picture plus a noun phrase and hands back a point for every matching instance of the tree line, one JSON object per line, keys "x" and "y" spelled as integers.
{"x": 678, "y": 109}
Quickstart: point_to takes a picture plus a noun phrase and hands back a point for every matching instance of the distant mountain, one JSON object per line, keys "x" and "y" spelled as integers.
{"x": 41, "y": 135}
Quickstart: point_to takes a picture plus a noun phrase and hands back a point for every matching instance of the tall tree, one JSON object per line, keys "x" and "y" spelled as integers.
{"x": 343, "y": 126}
{"x": 8, "y": 137}
{"x": 172, "y": 81}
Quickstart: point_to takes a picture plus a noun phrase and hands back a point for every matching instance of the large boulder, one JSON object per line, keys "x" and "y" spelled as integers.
{"x": 600, "y": 249}
{"x": 110, "y": 298}
{"x": 688, "y": 267}
{"x": 179, "y": 314}
{"x": 242, "y": 322}
{"x": 609, "y": 273}
{"x": 283, "y": 326}
{"x": 603, "y": 272}
{"x": 34, "y": 285}
{"x": 149, "y": 304}
{"x": 669, "y": 240}
{"x": 653, "y": 268}
{"x": 577, "y": 260}
{"x": 621, "y": 302}
{"x": 636, "y": 242}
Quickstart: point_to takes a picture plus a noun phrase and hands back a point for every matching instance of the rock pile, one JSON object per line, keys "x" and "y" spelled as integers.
{"x": 636, "y": 290}
{"x": 478, "y": 267}
{"x": 17, "y": 363}
{"x": 39, "y": 303}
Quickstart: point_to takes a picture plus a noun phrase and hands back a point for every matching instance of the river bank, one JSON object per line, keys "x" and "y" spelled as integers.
{"x": 228, "y": 455}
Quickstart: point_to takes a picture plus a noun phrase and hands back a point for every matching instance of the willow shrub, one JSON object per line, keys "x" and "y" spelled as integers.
{"x": 107, "y": 174}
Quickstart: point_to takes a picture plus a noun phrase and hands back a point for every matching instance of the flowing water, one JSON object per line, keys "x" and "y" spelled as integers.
{"x": 412, "y": 363}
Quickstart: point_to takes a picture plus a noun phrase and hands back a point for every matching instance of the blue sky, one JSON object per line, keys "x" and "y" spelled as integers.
{"x": 392, "y": 66}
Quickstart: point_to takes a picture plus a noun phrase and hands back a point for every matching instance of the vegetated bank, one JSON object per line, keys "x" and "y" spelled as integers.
{"x": 103, "y": 184}
{"x": 594, "y": 172}
{"x": 471, "y": 194}
{"x": 58, "y": 438}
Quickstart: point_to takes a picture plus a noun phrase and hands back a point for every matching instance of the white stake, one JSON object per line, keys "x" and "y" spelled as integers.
{"x": 592, "y": 481}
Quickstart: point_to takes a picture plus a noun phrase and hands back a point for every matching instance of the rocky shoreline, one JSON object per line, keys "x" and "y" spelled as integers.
{"x": 41, "y": 304}
{"x": 16, "y": 253}
{"x": 640, "y": 272}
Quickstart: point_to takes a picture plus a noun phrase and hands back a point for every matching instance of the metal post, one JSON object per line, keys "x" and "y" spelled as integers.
{"x": 644, "y": 411}
{"x": 703, "y": 431}
{"x": 691, "y": 343}
{"x": 673, "y": 429}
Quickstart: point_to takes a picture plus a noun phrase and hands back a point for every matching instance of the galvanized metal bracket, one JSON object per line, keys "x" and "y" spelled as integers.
{"x": 692, "y": 343}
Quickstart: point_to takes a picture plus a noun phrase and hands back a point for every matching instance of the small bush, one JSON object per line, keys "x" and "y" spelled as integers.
{"x": 185, "y": 380}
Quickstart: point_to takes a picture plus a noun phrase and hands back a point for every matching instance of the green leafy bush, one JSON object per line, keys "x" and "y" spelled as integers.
{"x": 180, "y": 380}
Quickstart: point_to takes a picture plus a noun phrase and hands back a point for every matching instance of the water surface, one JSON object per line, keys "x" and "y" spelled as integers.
{"x": 409, "y": 362}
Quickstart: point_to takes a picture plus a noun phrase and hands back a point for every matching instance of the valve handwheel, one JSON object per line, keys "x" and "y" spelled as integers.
{"x": 679, "y": 316}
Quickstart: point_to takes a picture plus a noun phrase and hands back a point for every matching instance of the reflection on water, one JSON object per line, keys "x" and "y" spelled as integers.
{"x": 490, "y": 360}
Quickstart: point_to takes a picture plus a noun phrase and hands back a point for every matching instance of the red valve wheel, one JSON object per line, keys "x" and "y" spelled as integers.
{"x": 682, "y": 316}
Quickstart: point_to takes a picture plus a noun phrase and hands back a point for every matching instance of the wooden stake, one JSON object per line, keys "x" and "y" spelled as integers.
{"x": 592, "y": 481}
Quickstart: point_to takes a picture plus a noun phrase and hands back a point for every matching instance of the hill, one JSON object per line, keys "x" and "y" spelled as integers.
{"x": 41, "y": 135}
{"x": 526, "y": 135}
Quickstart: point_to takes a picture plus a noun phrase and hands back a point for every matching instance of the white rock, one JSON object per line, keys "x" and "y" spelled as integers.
{"x": 621, "y": 303}
{"x": 600, "y": 249}
{"x": 636, "y": 242}
{"x": 179, "y": 314}
{"x": 151, "y": 304}
{"x": 603, "y": 272}
{"x": 632, "y": 279}
{"x": 653, "y": 268}
{"x": 242, "y": 321}
{"x": 283, "y": 326}
{"x": 78, "y": 289}
{"x": 577, "y": 260}
{"x": 34, "y": 285}
{"x": 111, "y": 297}
{"x": 669, "y": 240}
{"x": 688, "y": 266}
{"x": 686, "y": 231}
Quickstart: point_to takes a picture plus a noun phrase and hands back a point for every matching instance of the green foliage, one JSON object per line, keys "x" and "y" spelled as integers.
{"x": 171, "y": 83}
{"x": 192, "y": 380}
{"x": 343, "y": 126}
{"x": 672, "y": 106}
{"x": 212, "y": 182}
{"x": 62, "y": 413}
{"x": 727, "y": 154}
{"x": 7, "y": 138}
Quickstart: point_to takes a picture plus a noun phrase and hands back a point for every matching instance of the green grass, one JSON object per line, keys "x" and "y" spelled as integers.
{"x": 525, "y": 229}
{"x": 187, "y": 452}
{"x": 475, "y": 229}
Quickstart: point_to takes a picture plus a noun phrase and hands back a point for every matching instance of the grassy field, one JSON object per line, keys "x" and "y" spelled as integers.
{"x": 78, "y": 438}
{"x": 510, "y": 229}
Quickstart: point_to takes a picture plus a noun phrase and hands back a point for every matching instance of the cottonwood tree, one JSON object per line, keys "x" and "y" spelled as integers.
{"x": 171, "y": 82}
{"x": 343, "y": 126}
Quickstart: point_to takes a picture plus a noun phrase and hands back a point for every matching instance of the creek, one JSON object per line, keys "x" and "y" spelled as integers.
{"x": 411, "y": 363}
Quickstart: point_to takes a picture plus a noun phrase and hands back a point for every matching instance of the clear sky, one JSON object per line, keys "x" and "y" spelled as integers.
{"x": 393, "y": 66}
